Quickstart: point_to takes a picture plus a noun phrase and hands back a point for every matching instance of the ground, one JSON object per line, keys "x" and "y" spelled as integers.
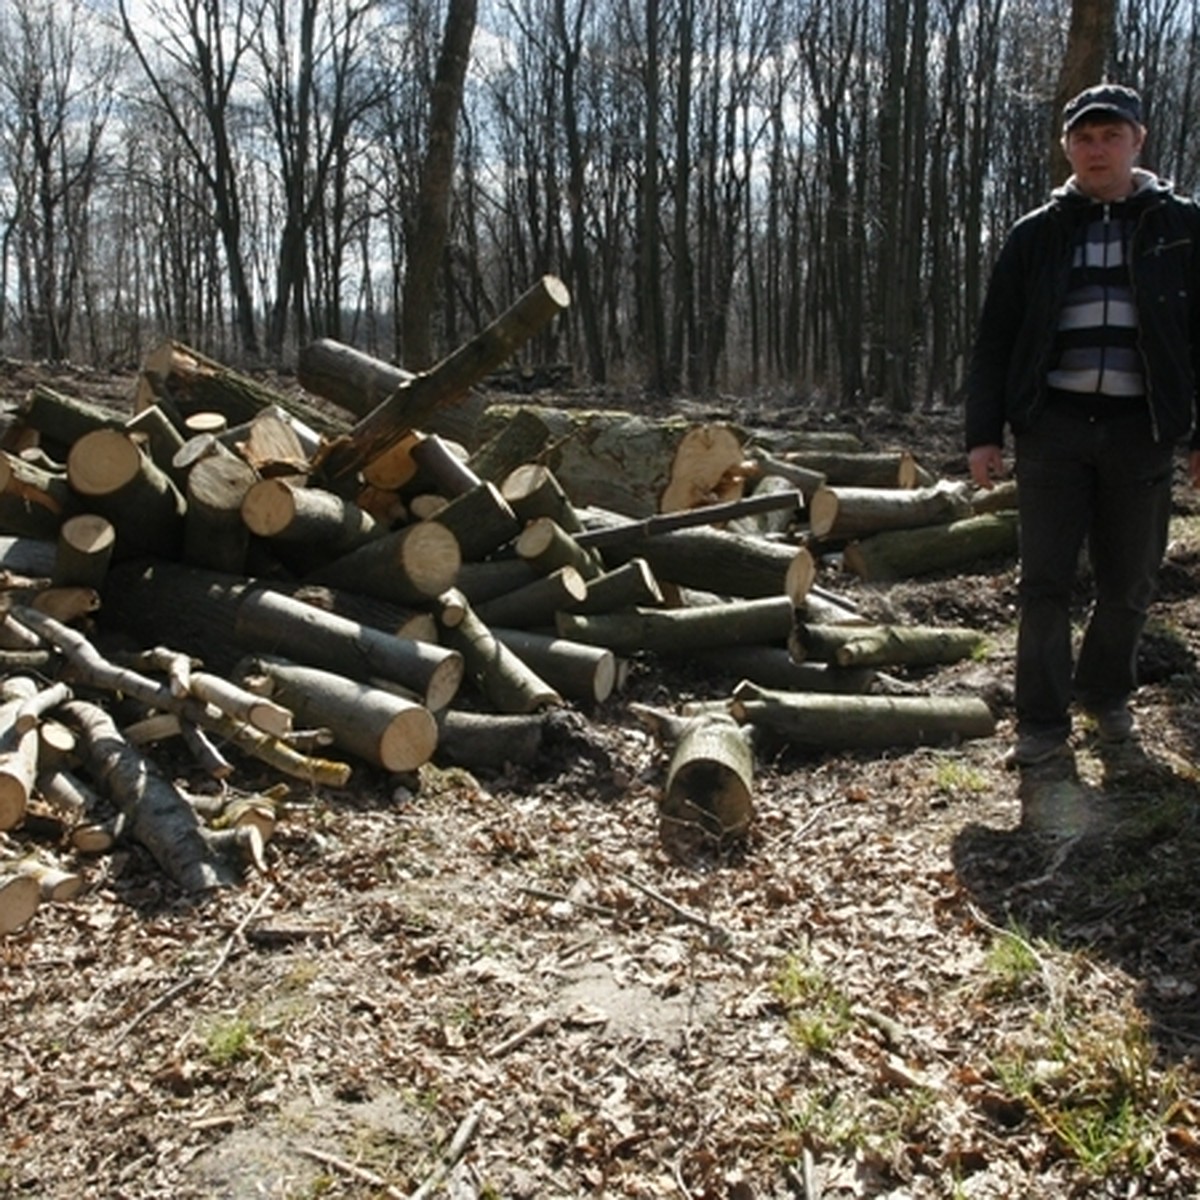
{"x": 921, "y": 974}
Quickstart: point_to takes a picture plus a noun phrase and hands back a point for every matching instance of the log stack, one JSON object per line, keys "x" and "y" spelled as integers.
{"x": 252, "y": 575}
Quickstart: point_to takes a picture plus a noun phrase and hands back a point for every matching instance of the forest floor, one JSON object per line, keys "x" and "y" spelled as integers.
{"x": 922, "y": 974}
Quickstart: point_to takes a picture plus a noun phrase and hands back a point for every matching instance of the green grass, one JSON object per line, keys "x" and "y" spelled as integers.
{"x": 817, "y": 1012}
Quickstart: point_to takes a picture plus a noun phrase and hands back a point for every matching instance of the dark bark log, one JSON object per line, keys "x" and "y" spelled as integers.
{"x": 763, "y": 621}
{"x": 846, "y": 512}
{"x": 535, "y": 604}
{"x": 489, "y": 741}
{"x": 774, "y": 667}
{"x": 709, "y": 781}
{"x": 908, "y": 553}
{"x": 481, "y": 521}
{"x": 215, "y": 536}
{"x": 533, "y": 491}
{"x": 34, "y": 501}
{"x": 631, "y": 585}
{"x": 580, "y": 672}
{"x": 882, "y": 645}
{"x": 408, "y": 566}
{"x": 547, "y": 547}
{"x": 521, "y": 439}
{"x": 84, "y": 551}
{"x": 62, "y": 420}
{"x": 436, "y": 459}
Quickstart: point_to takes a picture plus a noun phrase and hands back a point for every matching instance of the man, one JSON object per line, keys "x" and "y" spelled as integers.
{"x": 1088, "y": 349}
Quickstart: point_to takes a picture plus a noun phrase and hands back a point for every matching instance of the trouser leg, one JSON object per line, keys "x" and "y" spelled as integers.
{"x": 1126, "y": 542}
{"x": 1055, "y": 487}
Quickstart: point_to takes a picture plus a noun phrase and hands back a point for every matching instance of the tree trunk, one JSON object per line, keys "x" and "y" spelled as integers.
{"x": 489, "y": 741}
{"x": 481, "y": 521}
{"x": 214, "y": 534}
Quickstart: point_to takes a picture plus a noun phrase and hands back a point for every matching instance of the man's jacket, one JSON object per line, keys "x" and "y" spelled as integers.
{"x": 1006, "y": 383}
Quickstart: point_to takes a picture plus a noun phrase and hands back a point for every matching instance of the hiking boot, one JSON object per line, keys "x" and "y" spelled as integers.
{"x": 1032, "y": 748}
{"x": 1113, "y": 724}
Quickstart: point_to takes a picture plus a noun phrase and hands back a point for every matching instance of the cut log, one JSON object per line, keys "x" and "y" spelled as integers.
{"x": 714, "y": 560}
{"x": 161, "y": 439}
{"x": 772, "y": 521}
{"x": 270, "y": 623}
{"x": 375, "y": 725}
{"x": 709, "y": 781}
{"x": 1000, "y": 498}
{"x": 360, "y": 383}
{"x": 501, "y": 676}
{"x": 546, "y": 546}
{"x": 19, "y": 898}
{"x": 533, "y": 490}
{"x": 583, "y": 673}
{"x": 62, "y": 420}
{"x": 480, "y": 520}
{"x": 18, "y": 752}
{"x": 765, "y": 621}
{"x": 310, "y": 526}
{"x": 259, "y": 712}
{"x": 483, "y": 581}
{"x": 436, "y": 458}
{"x": 34, "y": 501}
{"x": 84, "y": 551}
{"x": 535, "y": 604}
{"x": 412, "y": 403}
{"x": 847, "y": 512}
{"x": 862, "y": 468}
{"x": 908, "y": 553}
{"x": 825, "y": 722}
{"x": 883, "y": 645}
{"x": 774, "y": 667}
{"x": 55, "y": 884}
{"x": 521, "y": 439}
{"x": 184, "y": 381}
{"x": 631, "y": 585}
{"x": 122, "y": 484}
{"x": 68, "y": 794}
{"x": 707, "y": 468}
{"x": 215, "y": 536}
{"x": 156, "y": 813}
{"x": 489, "y": 741}
{"x": 409, "y": 565}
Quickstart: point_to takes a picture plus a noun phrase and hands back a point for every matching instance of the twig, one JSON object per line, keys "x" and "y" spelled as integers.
{"x": 192, "y": 980}
{"x": 458, "y": 1146}
{"x": 722, "y": 939}
{"x": 348, "y": 1168}
{"x": 598, "y": 910}
{"x": 1048, "y": 978}
{"x": 522, "y": 1035}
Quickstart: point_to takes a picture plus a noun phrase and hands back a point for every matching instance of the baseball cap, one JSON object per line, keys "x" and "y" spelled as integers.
{"x": 1104, "y": 100}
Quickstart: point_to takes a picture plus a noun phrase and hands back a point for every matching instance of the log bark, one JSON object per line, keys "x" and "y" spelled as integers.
{"x": 580, "y": 672}
{"x": 18, "y": 752}
{"x": 489, "y": 741}
{"x": 547, "y": 547}
{"x": 156, "y": 814}
{"x": 767, "y": 620}
{"x": 838, "y": 513}
{"x": 214, "y": 534}
{"x": 436, "y": 458}
{"x": 375, "y": 725}
{"x": 360, "y": 383}
{"x": 882, "y": 645}
{"x": 535, "y": 604}
{"x": 522, "y": 439}
{"x": 259, "y": 712}
{"x": 502, "y": 677}
{"x": 631, "y": 585}
{"x": 34, "y": 501}
{"x": 19, "y": 898}
{"x": 62, "y": 420}
{"x": 185, "y": 381}
{"x": 908, "y": 553}
{"x": 270, "y": 623}
{"x": 414, "y": 401}
{"x": 481, "y": 521}
{"x": 828, "y": 722}
{"x": 121, "y": 483}
{"x": 774, "y": 667}
{"x": 161, "y": 439}
{"x": 862, "y": 468}
{"x": 84, "y": 551}
{"x": 409, "y": 565}
{"x": 309, "y": 526}
{"x": 709, "y": 781}
{"x": 713, "y": 560}
{"x": 1000, "y": 498}
{"x": 532, "y": 490}
{"x": 483, "y": 581}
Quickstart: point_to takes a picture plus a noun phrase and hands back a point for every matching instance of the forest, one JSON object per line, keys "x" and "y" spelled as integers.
{"x": 801, "y": 196}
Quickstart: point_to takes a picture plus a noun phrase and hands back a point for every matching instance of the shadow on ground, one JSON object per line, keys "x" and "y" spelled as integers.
{"x": 1105, "y": 859}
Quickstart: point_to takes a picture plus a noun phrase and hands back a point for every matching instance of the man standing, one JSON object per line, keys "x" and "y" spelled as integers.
{"x": 1088, "y": 349}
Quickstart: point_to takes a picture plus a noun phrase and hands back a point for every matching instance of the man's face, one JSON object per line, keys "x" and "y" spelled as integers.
{"x": 1102, "y": 154}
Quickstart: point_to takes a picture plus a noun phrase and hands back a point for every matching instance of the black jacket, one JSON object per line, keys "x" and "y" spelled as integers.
{"x": 1006, "y": 383}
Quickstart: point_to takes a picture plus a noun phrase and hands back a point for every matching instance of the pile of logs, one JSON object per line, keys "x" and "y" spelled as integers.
{"x": 390, "y": 570}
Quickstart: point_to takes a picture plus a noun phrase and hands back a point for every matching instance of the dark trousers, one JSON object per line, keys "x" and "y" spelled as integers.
{"x": 1105, "y": 483}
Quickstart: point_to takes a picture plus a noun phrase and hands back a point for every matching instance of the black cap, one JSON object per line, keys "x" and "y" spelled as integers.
{"x": 1104, "y": 100}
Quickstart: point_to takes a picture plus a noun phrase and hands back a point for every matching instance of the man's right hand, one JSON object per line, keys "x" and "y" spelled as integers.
{"x": 987, "y": 465}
